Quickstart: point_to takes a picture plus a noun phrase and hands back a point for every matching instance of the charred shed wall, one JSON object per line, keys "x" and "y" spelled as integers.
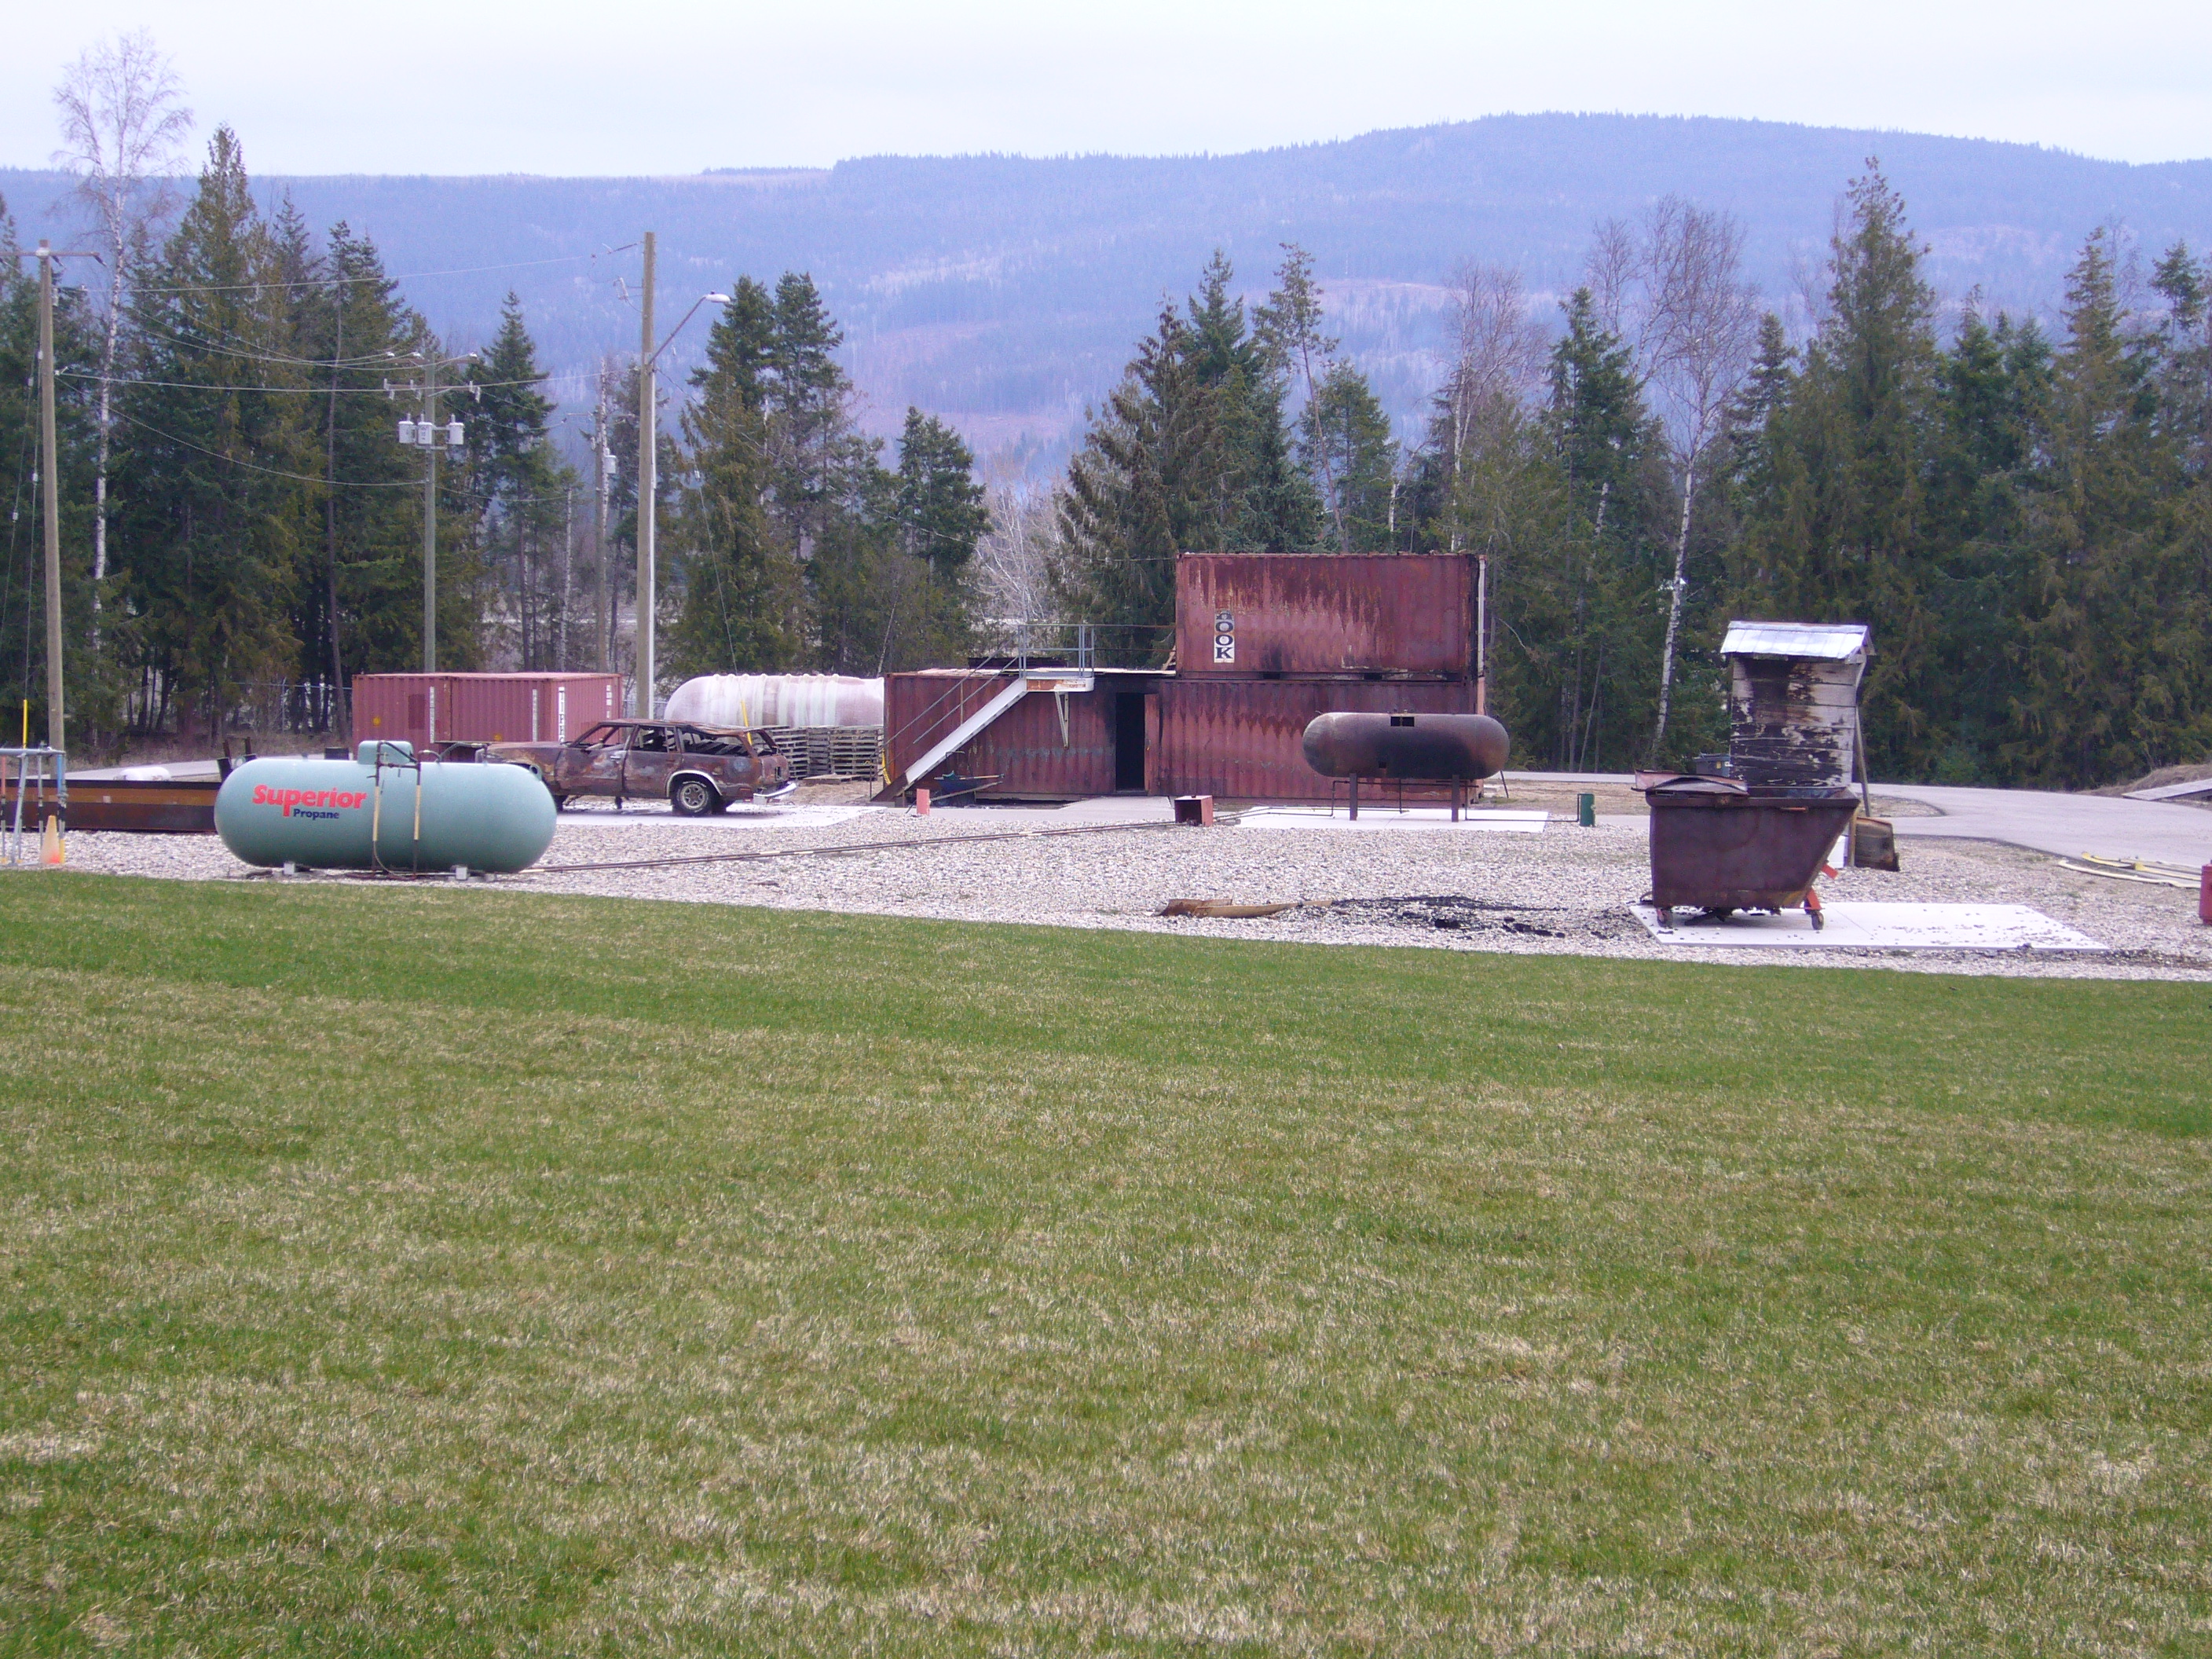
{"x": 1793, "y": 721}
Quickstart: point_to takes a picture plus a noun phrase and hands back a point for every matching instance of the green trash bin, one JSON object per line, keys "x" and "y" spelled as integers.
{"x": 1586, "y": 810}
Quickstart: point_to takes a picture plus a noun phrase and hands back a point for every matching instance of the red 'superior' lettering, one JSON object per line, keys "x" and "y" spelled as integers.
{"x": 287, "y": 798}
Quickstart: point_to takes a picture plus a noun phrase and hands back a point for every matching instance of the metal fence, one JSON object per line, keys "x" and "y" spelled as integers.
{"x": 305, "y": 707}
{"x": 1013, "y": 642}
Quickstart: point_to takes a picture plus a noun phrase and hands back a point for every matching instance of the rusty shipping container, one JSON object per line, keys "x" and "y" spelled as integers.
{"x": 425, "y": 708}
{"x": 1086, "y": 743}
{"x": 1243, "y": 739}
{"x": 1386, "y": 615}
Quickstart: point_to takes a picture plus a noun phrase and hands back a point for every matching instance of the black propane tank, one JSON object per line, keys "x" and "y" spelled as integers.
{"x": 1450, "y": 748}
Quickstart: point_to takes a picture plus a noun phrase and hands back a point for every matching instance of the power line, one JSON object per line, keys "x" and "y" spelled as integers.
{"x": 273, "y": 472}
{"x": 341, "y": 281}
{"x": 309, "y": 390}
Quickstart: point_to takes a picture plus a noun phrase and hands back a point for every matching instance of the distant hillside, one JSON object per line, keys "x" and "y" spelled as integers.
{"x": 1005, "y": 293}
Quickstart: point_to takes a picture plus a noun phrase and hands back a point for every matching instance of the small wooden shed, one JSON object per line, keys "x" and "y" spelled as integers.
{"x": 1794, "y": 700}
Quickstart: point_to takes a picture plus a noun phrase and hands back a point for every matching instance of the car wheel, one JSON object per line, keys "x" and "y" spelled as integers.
{"x": 693, "y": 798}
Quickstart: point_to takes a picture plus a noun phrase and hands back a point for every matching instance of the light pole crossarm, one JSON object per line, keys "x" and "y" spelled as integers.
{"x": 717, "y": 299}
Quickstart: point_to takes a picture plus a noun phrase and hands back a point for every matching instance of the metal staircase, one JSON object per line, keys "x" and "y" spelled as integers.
{"x": 1061, "y": 681}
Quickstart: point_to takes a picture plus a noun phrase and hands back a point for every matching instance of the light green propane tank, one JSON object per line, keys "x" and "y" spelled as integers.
{"x": 384, "y": 810}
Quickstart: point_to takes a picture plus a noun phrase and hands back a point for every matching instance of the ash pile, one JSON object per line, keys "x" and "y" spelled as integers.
{"x": 1454, "y": 913}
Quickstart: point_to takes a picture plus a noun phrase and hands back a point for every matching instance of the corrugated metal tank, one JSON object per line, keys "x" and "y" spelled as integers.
{"x": 1396, "y": 614}
{"x": 360, "y": 815}
{"x": 725, "y": 701}
{"x": 426, "y": 708}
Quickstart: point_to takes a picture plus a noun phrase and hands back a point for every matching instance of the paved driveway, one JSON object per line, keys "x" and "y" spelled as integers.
{"x": 2068, "y": 825}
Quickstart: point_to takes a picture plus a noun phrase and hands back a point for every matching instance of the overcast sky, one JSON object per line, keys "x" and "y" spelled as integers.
{"x": 674, "y": 86}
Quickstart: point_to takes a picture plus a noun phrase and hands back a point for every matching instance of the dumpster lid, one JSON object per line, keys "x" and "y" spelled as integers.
{"x": 1817, "y": 641}
{"x": 1687, "y": 783}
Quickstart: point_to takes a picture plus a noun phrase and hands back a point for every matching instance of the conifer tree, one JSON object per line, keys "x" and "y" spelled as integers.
{"x": 744, "y": 598}
{"x": 1345, "y": 438}
{"x": 2106, "y": 675}
{"x": 359, "y": 597}
{"x": 1265, "y": 500}
{"x": 1145, "y": 486}
{"x": 1841, "y": 533}
{"x": 220, "y": 477}
{"x": 940, "y": 509}
{"x": 1588, "y": 617}
{"x": 519, "y": 486}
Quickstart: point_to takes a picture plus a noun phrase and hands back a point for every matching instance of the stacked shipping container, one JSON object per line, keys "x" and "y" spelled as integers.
{"x": 1263, "y": 643}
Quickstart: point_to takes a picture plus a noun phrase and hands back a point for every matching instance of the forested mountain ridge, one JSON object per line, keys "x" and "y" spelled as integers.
{"x": 1001, "y": 292}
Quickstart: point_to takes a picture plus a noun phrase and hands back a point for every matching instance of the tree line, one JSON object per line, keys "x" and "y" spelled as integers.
{"x": 2023, "y": 518}
{"x": 238, "y": 512}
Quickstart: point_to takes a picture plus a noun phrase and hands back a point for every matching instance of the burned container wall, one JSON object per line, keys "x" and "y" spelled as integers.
{"x": 424, "y": 709}
{"x": 1028, "y": 749}
{"x": 921, "y": 708}
{"x": 1244, "y": 739}
{"x": 1793, "y": 720}
{"x": 1030, "y": 753}
{"x": 1239, "y": 615}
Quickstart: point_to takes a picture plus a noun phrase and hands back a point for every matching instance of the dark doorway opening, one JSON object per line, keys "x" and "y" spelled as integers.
{"x": 1129, "y": 740}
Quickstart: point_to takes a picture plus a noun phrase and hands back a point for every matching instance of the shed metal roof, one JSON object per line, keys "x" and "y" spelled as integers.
{"x": 1817, "y": 641}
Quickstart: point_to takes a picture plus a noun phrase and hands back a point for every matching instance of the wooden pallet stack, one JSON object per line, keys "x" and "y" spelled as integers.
{"x": 844, "y": 751}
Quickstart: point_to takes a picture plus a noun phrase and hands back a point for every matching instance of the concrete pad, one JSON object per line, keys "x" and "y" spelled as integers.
{"x": 1475, "y": 818}
{"x": 743, "y": 816}
{"x": 1879, "y": 927}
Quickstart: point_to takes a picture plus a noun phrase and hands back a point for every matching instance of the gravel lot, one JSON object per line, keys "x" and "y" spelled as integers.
{"x": 1563, "y": 891}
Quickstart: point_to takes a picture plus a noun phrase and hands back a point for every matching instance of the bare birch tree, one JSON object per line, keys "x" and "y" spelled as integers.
{"x": 1498, "y": 363}
{"x": 1013, "y": 560}
{"x": 123, "y": 125}
{"x": 1695, "y": 323}
{"x": 1615, "y": 258}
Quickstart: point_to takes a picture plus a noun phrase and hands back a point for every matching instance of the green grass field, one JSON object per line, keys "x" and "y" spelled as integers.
{"x": 409, "y": 1271}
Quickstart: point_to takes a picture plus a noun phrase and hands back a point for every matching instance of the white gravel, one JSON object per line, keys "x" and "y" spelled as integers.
{"x": 1562, "y": 892}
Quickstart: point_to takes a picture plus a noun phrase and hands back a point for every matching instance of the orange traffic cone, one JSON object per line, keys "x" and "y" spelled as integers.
{"x": 50, "y": 841}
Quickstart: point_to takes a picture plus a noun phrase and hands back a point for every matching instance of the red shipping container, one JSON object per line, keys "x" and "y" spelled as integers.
{"x": 1102, "y": 746}
{"x": 426, "y": 708}
{"x": 1391, "y": 615}
{"x": 1232, "y": 739}
{"x": 1245, "y": 740}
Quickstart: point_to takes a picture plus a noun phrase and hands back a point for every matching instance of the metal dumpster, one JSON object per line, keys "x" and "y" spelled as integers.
{"x": 1721, "y": 846}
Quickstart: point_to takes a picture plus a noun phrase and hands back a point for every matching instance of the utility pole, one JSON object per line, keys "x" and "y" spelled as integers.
{"x": 602, "y": 460}
{"x": 647, "y": 488}
{"x": 51, "y": 497}
{"x": 50, "y": 482}
{"x": 431, "y": 525}
{"x": 568, "y": 546}
{"x": 647, "y": 355}
{"x": 429, "y": 436}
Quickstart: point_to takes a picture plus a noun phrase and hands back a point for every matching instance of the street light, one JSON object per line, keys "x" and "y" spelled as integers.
{"x": 647, "y": 483}
{"x": 429, "y": 435}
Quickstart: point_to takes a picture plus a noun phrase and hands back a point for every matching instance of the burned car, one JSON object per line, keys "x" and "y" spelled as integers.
{"x": 701, "y": 771}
